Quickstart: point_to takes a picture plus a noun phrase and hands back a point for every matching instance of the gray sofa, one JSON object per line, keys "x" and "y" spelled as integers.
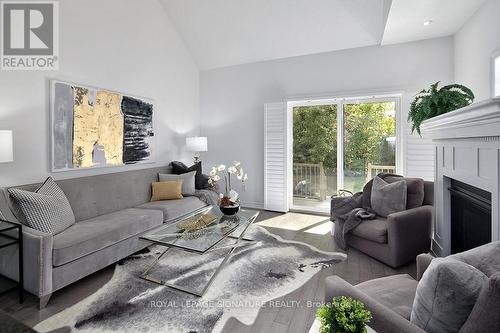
{"x": 390, "y": 299}
{"x": 399, "y": 238}
{"x": 111, "y": 211}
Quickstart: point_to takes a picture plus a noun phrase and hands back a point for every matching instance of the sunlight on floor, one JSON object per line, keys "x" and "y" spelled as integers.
{"x": 293, "y": 221}
{"x": 321, "y": 229}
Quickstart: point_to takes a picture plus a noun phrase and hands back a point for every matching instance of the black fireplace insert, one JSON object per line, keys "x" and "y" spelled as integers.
{"x": 470, "y": 216}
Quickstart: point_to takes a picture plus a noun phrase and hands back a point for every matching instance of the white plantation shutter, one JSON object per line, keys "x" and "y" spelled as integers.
{"x": 275, "y": 157}
{"x": 419, "y": 157}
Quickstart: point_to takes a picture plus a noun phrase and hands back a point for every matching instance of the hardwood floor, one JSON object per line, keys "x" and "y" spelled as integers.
{"x": 357, "y": 268}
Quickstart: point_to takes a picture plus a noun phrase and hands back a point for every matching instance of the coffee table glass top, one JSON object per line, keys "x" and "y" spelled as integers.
{"x": 219, "y": 227}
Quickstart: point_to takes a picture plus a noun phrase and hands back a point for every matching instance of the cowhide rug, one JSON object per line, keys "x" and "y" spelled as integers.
{"x": 258, "y": 272}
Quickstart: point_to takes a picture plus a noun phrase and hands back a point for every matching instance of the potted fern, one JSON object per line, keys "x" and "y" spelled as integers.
{"x": 436, "y": 101}
{"x": 343, "y": 315}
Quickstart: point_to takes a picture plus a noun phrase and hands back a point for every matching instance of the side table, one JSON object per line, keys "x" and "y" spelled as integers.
{"x": 11, "y": 234}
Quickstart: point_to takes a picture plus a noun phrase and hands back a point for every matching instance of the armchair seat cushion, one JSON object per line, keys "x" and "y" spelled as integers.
{"x": 173, "y": 209}
{"x": 395, "y": 292}
{"x": 373, "y": 230}
{"x": 89, "y": 236}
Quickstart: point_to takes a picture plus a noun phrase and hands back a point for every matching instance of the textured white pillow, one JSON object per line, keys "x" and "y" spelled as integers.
{"x": 446, "y": 295}
{"x": 188, "y": 181}
{"x": 388, "y": 198}
{"x": 47, "y": 209}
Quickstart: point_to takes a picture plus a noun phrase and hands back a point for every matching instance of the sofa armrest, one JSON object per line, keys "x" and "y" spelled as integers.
{"x": 423, "y": 262}
{"x": 409, "y": 233}
{"x": 37, "y": 257}
{"x": 384, "y": 319}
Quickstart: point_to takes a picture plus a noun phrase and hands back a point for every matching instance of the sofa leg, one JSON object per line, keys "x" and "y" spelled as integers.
{"x": 43, "y": 301}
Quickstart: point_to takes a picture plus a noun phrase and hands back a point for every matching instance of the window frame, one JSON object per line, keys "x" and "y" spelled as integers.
{"x": 493, "y": 79}
{"x": 340, "y": 102}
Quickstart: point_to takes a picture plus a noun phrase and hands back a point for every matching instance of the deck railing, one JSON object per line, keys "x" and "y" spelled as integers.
{"x": 309, "y": 181}
{"x": 374, "y": 170}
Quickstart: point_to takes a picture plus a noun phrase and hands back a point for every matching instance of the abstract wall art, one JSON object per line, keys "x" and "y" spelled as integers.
{"x": 93, "y": 127}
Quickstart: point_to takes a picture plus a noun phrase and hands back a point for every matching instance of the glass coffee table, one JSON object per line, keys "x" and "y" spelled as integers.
{"x": 200, "y": 233}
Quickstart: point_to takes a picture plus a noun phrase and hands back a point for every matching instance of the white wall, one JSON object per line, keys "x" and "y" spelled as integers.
{"x": 474, "y": 44}
{"x": 123, "y": 45}
{"x": 232, "y": 98}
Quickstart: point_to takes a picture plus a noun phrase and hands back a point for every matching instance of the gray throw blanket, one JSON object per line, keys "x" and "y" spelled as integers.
{"x": 209, "y": 197}
{"x": 348, "y": 213}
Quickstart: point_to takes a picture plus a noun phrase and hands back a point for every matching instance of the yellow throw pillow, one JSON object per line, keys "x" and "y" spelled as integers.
{"x": 168, "y": 190}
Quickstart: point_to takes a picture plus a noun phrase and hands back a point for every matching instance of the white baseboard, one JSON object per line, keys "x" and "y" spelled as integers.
{"x": 254, "y": 205}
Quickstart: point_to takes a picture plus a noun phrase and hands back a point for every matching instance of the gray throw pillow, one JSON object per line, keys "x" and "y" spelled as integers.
{"x": 47, "y": 209}
{"x": 484, "y": 316}
{"x": 188, "y": 181}
{"x": 446, "y": 295}
{"x": 388, "y": 198}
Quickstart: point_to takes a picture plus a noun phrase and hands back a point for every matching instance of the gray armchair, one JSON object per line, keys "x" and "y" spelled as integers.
{"x": 399, "y": 238}
{"x": 390, "y": 299}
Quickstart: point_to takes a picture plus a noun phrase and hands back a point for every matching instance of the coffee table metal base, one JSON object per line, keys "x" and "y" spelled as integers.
{"x": 228, "y": 255}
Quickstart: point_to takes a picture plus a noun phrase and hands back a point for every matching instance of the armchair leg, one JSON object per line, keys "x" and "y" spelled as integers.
{"x": 43, "y": 301}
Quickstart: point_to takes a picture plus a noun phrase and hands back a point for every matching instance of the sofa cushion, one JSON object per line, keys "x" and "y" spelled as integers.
{"x": 173, "y": 209}
{"x": 46, "y": 209}
{"x": 187, "y": 181}
{"x": 446, "y": 295}
{"x": 374, "y": 230}
{"x": 167, "y": 190}
{"x": 388, "y": 198}
{"x": 486, "y": 258}
{"x": 396, "y": 292}
{"x": 415, "y": 190}
{"x": 484, "y": 316}
{"x": 201, "y": 180}
{"x": 97, "y": 233}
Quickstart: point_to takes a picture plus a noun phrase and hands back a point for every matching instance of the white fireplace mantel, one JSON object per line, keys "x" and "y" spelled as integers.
{"x": 467, "y": 148}
{"x": 480, "y": 119}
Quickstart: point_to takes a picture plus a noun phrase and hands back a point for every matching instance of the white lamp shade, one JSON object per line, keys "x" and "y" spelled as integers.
{"x": 197, "y": 143}
{"x": 6, "y": 150}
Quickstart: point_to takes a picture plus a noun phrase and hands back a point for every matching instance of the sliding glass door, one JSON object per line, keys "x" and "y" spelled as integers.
{"x": 369, "y": 142}
{"x": 314, "y": 154}
{"x": 340, "y": 146}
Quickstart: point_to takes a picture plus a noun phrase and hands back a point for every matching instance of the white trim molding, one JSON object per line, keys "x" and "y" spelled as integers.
{"x": 480, "y": 119}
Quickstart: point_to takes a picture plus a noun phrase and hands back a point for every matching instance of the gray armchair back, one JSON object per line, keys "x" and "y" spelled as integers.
{"x": 402, "y": 235}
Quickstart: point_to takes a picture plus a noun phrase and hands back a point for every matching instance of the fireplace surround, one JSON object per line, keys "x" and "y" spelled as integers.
{"x": 467, "y": 151}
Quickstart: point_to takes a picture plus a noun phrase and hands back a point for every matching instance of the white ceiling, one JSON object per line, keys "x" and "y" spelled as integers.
{"x": 229, "y": 32}
{"x": 406, "y": 18}
{"x": 222, "y": 33}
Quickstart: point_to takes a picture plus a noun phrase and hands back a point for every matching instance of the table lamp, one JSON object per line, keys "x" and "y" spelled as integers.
{"x": 6, "y": 150}
{"x": 197, "y": 144}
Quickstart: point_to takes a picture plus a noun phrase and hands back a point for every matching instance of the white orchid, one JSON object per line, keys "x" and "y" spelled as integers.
{"x": 221, "y": 171}
{"x": 233, "y": 196}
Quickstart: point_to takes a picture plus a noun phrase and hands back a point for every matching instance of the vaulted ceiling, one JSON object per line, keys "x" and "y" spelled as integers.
{"x": 222, "y": 33}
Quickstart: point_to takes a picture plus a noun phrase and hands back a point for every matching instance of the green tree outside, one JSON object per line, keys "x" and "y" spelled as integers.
{"x": 367, "y": 127}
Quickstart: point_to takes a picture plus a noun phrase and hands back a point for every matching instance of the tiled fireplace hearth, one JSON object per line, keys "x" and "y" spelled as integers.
{"x": 467, "y": 152}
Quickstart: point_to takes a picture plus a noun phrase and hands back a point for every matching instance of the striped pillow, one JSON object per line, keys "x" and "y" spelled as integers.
{"x": 47, "y": 209}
